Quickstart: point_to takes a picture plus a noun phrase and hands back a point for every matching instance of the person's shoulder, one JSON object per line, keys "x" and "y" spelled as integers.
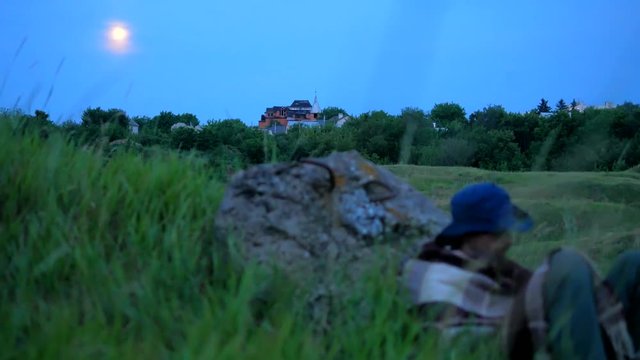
{"x": 514, "y": 276}
{"x": 433, "y": 252}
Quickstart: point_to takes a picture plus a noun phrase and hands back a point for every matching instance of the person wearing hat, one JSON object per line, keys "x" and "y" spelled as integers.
{"x": 462, "y": 282}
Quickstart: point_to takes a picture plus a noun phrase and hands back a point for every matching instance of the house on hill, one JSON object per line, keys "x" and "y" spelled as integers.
{"x": 607, "y": 105}
{"x": 182, "y": 125}
{"x": 278, "y": 119}
{"x": 340, "y": 119}
{"x": 134, "y": 127}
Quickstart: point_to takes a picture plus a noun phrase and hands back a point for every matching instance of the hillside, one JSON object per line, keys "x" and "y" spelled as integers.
{"x": 112, "y": 256}
{"x": 595, "y": 212}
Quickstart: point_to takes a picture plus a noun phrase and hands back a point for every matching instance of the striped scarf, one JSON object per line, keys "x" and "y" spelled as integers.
{"x": 453, "y": 292}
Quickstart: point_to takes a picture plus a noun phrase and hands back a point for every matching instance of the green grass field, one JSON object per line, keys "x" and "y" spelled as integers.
{"x": 114, "y": 258}
{"x": 595, "y": 212}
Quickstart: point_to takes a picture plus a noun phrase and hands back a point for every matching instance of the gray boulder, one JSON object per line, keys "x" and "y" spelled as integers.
{"x": 319, "y": 215}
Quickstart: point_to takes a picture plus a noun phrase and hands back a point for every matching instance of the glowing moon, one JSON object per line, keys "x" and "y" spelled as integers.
{"x": 118, "y": 38}
{"x": 119, "y": 33}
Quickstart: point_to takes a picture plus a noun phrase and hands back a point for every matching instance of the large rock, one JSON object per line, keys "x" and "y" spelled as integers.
{"x": 322, "y": 214}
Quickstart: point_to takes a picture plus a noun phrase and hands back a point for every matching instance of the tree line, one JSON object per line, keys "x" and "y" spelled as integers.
{"x": 561, "y": 139}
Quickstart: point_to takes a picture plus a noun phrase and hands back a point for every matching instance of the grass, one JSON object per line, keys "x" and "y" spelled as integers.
{"x": 114, "y": 257}
{"x": 594, "y": 212}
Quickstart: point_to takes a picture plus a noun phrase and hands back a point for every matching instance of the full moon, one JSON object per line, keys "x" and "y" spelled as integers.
{"x": 118, "y": 38}
{"x": 119, "y": 33}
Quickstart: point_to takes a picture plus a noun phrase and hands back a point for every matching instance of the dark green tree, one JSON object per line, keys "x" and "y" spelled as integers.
{"x": 491, "y": 117}
{"x": 543, "y": 107}
{"x": 412, "y": 119}
{"x": 625, "y": 123}
{"x": 112, "y": 124}
{"x": 165, "y": 121}
{"x": 331, "y": 111}
{"x": 188, "y": 119}
{"x": 99, "y": 117}
{"x": 42, "y": 116}
{"x": 377, "y": 135}
{"x": 574, "y": 105}
{"x": 497, "y": 150}
{"x": 455, "y": 151}
{"x": 183, "y": 138}
{"x": 561, "y": 105}
{"x": 446, "y": 114}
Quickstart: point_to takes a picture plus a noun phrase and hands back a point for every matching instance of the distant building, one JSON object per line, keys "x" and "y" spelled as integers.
{"x": 300, "y": 112}
{"x": 305, "y": 123}
{"x": 340, "y": 119}
{"x": 580, "y": 107}
{"x": 276, "y": 128}
{"x": 607, "y": 105}
{"x": 180, "y": 125}
{"x": 133, "y": 127}
{"x": 439, "y": 128}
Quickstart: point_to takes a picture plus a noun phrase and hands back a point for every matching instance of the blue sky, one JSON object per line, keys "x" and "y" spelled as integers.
{"x": 232, "y": 59}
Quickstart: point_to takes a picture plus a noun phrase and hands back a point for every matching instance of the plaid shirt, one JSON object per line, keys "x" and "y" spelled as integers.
{"x": 452, "y": 292}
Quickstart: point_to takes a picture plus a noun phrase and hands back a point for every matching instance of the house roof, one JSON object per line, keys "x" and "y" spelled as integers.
{"x": 301, "y": 104}
{"x": 178, "y": 125}
{"x": 276, "y": 108}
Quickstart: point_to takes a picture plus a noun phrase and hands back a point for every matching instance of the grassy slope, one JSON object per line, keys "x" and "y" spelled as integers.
{"x": 112, "y": 259}
{"x": 595, "y": 212}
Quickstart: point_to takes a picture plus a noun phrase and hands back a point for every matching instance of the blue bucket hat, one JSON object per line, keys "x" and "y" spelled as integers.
{"x": 485, "y": 208}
